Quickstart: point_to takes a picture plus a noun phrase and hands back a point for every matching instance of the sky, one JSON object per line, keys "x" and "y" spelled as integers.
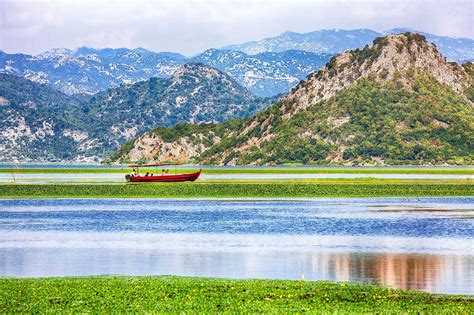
{"x": 190, "y": 27}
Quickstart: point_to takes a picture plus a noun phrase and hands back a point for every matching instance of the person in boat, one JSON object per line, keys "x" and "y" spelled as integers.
{"x": 163, "y": 171}
{"x": 134, "y": 173}
{"x": 147, "y": 174}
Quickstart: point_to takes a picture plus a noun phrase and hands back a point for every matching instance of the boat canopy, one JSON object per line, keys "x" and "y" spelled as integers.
{"x": 154, "y": 164}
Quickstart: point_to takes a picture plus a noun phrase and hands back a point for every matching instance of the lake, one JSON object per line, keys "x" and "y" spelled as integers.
{"x": 49, "y": 178}
{"x": 409, "y": 243}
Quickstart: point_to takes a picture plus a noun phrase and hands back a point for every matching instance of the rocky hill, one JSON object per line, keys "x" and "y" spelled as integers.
{"x": 42, "y": 124}
{"x": 334, "y": 41}
{"x": 453, "y": 48}
{"x": 396, "y": 102}
{"x": 194, "y": 93}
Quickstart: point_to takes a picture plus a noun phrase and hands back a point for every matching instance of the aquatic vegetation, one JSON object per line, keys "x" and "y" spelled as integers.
{"x": 169, "y": 294}
{"x": 246, "y": 189}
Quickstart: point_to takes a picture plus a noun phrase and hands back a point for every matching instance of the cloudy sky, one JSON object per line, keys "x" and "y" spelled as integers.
{"x": 189, "y": 27}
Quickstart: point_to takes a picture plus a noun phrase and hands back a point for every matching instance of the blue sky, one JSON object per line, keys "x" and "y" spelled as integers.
{"x": 189, "y": 27}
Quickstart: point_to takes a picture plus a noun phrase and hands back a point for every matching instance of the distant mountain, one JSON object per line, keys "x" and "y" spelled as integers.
{"x": 335, "y": 41}
{"x": 331, "y": 41}
{"x": 43, "y": 124}
{"x": 397, "y": 101}
{"x": 87, "y": 70}
{"x": 265, "y": 74}
{"x": 267, "y": 67}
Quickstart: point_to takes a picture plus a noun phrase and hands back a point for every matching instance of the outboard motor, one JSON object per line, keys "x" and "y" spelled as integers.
{"x": 128, "y": 177}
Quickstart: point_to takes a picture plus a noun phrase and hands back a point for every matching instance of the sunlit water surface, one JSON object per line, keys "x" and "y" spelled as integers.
{"x": 410, "y": 243}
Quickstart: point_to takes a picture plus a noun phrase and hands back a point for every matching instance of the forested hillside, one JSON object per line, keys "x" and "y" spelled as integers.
{"x": 395, "y": 102}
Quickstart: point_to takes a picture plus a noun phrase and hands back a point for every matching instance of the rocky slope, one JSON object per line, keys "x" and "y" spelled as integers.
{"x": 333, "y": 41}
{"x": 38, "y": 121}
{"x": 42, "y": 124}
{"x": 398, "y": 102}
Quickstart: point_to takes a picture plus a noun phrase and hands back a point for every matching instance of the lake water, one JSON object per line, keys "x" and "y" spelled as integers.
{"x": 410, "y": 243}
{"x": 78, "y": 178}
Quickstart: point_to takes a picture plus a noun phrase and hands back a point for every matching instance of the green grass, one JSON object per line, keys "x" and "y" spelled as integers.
{"x": 254, "y": 170}
{"x": 169, "y": 294}
{"x": 245, "y": 189}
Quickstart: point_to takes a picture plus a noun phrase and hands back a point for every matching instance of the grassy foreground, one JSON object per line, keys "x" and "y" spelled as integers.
{"x": 249, "y": 189}
{"x": 253, "y": 170}
{"x": 169, "y": 294}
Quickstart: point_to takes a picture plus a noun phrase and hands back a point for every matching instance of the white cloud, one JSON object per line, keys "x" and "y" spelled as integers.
{"x": 191, "y": 26}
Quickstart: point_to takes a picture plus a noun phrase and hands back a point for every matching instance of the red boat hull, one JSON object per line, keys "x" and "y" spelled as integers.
{"x": 165, "y": 178}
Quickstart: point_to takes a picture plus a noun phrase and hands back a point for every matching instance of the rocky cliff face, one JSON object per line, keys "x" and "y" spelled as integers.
{"x": 153, "y": 147}
{"x": 397, "y": 101}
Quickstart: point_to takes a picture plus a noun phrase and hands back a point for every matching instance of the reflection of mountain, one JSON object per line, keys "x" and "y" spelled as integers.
{"x": 414, "y": 272}
{"x": 422, "y": 272}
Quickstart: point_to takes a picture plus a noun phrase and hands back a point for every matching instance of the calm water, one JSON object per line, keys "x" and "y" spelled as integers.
{"x": 410, "y": 243}
{"x": 65, "y": 178}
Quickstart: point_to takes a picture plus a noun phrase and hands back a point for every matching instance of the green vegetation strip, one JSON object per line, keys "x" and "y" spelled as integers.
{"x": 250, "y": 170}
{"x": 223, "y": 189}
{"x": 169, "y": 294}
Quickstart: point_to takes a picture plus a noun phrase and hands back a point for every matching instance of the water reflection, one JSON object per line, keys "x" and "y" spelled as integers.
{"x": 427, "y": 272}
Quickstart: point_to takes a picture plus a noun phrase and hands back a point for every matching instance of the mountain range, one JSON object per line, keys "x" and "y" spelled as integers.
{"x": 397, "y": 101}
{"x": 83, "y": 104}
{"x": 43, "y": 124}
{"x": 267, "y": 67}
{"x": 334, "y": 41}
{"x": 330, "y": 41}
{"x": 89, "y": 71}
{"x": 267, "y": 73}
